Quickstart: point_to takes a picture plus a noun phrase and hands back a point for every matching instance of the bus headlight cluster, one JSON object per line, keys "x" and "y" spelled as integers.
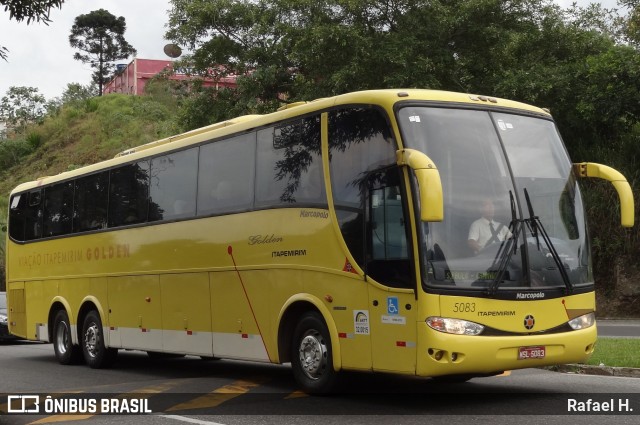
{"x": 3, "y": 318}
{"x": 454, "y": 326}
{"x": 583, "y": 322}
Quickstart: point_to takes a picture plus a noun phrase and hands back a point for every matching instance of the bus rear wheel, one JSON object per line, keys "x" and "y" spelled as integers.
{"x": 96, "y": 355}
{"x": 311, "y": 355}
{"x": 66, "y": 352}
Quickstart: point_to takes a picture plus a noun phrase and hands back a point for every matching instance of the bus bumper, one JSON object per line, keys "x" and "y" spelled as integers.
{"x": 446, "y": 354}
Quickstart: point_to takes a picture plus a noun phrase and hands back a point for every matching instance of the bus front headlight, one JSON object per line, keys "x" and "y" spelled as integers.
{"x": 583, "y": 322}
{"x": 454, "y": 326}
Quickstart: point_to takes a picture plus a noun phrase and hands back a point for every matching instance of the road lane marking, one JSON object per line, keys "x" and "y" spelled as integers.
{"x": 296, "y": 394}
{"x": 219, "y": 395}
{"x": 61, "y": 418}
{"x": 189, "y": 420}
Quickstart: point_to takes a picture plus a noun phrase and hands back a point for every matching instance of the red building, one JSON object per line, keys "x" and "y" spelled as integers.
{"x": 132, "y": 78}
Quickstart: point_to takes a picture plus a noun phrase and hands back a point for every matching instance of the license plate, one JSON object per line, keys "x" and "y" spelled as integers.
{"x": 525, "y": 353}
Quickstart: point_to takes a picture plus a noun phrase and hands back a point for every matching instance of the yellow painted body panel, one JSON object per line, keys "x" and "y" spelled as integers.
{"x": 233, "y": 278}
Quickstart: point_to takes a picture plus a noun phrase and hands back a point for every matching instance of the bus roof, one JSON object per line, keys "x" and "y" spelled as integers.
{"x": 386, "y": 98}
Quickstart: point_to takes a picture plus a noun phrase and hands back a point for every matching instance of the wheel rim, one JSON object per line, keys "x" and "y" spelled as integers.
{"x": 62, "y": 338}
{"x": 92, "y": 339}
{"x": 313, "y": 354}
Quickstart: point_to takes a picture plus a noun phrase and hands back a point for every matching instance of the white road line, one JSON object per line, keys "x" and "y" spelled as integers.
{"x": 190, "y": 420}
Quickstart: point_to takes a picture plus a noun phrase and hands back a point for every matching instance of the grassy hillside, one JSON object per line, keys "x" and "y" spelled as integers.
{"x": 79, "y": 134}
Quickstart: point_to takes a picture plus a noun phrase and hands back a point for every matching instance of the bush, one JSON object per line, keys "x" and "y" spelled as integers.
{"x": 12, "y": 151}
{"x": 91, "y": 105}
{"x": 34, "y": 140}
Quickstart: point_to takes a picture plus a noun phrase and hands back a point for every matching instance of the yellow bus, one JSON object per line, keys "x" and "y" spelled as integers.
{"x": 415, "y": 232}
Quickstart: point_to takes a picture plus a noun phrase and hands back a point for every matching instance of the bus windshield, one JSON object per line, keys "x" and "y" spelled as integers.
{"x": 513, "y": 215}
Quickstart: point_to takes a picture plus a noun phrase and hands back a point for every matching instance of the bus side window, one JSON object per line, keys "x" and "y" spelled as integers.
{"x": 58, "y": 209}
{"x": 17, "y": 214}
{"x": 226, "y": 175}
{"x": 33, "y": 216}
{"x": 388, "y": 254}
{"x": 290, "y": 167}
{"x": 360, "y": 143}
{"x": 129, "y": 194}
{"x": 173, "y": 185}
{"x": 91, "y": 202}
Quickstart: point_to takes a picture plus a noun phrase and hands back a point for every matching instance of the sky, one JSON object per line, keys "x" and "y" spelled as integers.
{"x": 40, "y": 55}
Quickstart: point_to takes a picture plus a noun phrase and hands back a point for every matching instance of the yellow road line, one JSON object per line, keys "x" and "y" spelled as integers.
{"x": 61, "y": 418}
{"x": 218, "y": 396}
{"x": 296, "y": 394}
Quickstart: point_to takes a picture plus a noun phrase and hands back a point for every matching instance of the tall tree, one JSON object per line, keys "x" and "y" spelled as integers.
{"x": 31, "y": 10}
{"x": 100, "y": 35}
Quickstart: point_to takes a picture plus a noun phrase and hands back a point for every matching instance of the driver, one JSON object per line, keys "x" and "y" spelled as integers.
{"x": 485, "y": 230}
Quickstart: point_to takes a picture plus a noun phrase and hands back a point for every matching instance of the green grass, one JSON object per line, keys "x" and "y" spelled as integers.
{"x": 618, "y": 352}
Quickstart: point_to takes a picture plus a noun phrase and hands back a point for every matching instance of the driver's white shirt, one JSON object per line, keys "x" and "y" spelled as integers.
{"x": 481, "y": 232}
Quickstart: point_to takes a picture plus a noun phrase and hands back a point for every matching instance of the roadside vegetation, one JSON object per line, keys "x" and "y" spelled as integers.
{"x": 616, "y": 352}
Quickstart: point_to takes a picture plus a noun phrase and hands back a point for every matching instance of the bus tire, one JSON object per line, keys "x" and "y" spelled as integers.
{"x": 311, "y": 355}
{"x": 96, "y": 355}
{"x": 66, "y": 352}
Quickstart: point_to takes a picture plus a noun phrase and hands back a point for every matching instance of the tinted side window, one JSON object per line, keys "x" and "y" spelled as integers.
{"x": 226, "y": 175}
{"x": 289, "y": 168}
{"x": 17, "y": 214}
{"x": 33, "y": 216}
{"x": 173, "y": 185}
{"x": 360, "y": 143}
{"x": 129, "y": 194}
{"x": 58, "y": 209}
{"x": 91, "y": 200}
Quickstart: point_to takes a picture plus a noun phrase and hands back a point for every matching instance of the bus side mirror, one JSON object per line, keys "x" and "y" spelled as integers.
{"x": 429, "y": 183}
{"x": 591, "y": 169}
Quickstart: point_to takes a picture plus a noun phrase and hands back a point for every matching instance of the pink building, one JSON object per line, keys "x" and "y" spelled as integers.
{"x": 132, "y": 78}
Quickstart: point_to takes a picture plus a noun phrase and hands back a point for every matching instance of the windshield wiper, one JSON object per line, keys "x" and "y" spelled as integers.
{"x": 536, "y": 227}
{"x": 506, "y": 251}
{"x": 503, "y": 257}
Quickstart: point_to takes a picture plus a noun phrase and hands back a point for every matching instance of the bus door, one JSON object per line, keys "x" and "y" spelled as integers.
{"x": 391, "y": 281}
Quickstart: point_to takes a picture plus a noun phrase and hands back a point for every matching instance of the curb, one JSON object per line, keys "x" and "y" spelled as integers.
{"x": 582, "y": 369}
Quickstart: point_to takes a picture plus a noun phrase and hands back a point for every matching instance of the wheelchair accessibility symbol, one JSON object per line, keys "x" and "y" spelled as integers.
{"x": 392, "y": 305}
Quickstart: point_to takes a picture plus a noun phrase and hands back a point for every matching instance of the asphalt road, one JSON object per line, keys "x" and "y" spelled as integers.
{"x": 619, "y": 328}
{"x": 188, "y": 390}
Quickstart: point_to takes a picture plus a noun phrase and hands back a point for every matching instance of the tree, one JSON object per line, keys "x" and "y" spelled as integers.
{"x": 21, "y": 106}
{"x": 100, "y": 35}
{"x": 31, "y": 10}
{"x": 304, "y": 49}
{"x": 76, "y": 92}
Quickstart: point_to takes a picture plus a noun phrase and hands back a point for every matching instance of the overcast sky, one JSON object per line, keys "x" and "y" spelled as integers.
{"x": 40, "y": 55}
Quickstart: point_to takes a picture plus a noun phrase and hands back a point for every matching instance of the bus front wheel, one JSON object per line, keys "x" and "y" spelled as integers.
{"x": 96, "y": 355}
{"x": 66, "y": 352}
{"x": 311, "y": 356}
